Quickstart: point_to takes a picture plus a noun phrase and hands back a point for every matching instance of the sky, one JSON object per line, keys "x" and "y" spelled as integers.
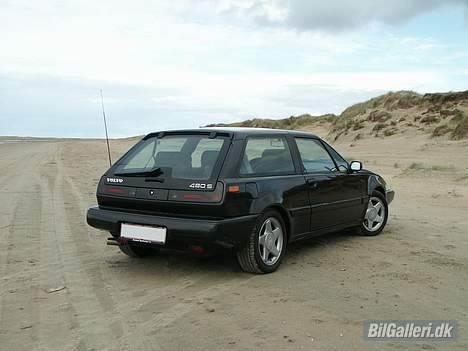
{"x": 183, "y": 64}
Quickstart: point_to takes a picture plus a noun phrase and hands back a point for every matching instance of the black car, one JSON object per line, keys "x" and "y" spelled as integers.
{"x": 250, "y": 190}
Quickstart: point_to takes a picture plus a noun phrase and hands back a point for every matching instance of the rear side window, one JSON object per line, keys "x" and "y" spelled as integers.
{"x": 314, "y": 156}
{"x": 178, "y": 157}
{"x": 266, "y": 156}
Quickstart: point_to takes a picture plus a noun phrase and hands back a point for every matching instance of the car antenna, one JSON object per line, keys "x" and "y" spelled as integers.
{"x": 105, "y": 127}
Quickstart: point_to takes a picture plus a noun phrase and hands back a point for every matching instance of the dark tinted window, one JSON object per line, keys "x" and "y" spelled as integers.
{"x": 314, "y": 156}
{"x": 181, "y": 157}
{"x": 269, "y": 155}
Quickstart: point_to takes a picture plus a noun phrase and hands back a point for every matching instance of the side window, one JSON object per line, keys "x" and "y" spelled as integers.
{"x": 340, "y": 161}
{"x": 314, "y": 157}
{"x": 266, "y": 155}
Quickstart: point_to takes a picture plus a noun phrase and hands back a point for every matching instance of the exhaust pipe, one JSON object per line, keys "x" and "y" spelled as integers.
{"x": 113, "y": 241}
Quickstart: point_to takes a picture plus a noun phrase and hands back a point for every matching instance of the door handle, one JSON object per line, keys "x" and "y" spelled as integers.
{"x": 312, "y": 183}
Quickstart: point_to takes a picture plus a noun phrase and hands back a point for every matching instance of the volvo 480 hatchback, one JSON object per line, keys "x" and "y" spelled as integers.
{"x": 252, "y": 191}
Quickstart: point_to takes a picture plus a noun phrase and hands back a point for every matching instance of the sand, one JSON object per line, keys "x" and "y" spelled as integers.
{"x": 62, "y": 288}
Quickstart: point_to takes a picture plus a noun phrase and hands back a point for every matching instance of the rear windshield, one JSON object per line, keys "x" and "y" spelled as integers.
{"x": 177, "y": 157}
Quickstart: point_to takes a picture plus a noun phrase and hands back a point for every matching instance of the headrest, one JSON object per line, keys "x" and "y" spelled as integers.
{"x": 167, "y": 158}
{"x": 209, "y": 157}
{"x": 276, "y": 153}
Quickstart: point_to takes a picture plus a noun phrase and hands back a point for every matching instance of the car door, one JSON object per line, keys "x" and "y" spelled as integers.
{"x": 353, "y": 187}
{"x": 267, "y": 162}
{"x": 331, "y": 193}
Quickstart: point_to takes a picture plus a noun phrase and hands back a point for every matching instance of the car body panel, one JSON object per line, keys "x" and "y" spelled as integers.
{"x": 334, "y": 198}
{"x": 230, "y": 232}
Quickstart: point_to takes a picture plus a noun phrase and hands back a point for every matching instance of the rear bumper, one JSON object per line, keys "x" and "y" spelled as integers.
{"x": 389, "y": 195}
{"x": 232, "y": 232}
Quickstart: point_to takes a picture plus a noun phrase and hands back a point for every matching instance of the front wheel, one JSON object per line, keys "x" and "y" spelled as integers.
{"x": 266, "y": 247}
{"x": 376, "y": 215}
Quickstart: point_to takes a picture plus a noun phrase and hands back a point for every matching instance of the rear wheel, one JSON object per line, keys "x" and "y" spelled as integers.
{"x": 266, "y": 247}
{"x": 376, "y": 215}
{"x": 136, "y": 251}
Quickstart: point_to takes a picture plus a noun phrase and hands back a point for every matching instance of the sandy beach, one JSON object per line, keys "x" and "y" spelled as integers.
{"x": 62, "y": 288}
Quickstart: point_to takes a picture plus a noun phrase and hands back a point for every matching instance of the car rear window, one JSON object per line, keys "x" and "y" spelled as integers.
{"x": 267, "y": 156}
{"x": 178, "y": 157}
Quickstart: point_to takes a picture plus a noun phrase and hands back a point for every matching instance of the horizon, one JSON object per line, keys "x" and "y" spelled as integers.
{"x": 185, "y": 64}
{"x": 111, "y": 137}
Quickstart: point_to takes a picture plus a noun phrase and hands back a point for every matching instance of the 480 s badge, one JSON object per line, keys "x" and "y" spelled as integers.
{"x": 207, "y": 186}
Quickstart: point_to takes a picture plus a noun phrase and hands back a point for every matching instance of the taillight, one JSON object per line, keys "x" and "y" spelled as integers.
{"x": 118, "y": 190}
{"x": 198, "y": 196}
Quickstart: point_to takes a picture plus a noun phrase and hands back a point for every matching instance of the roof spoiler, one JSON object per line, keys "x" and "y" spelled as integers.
{"x": 212, "y": 134}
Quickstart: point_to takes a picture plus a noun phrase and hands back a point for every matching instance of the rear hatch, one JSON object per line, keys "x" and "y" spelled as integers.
{"x": 170, "y": 173}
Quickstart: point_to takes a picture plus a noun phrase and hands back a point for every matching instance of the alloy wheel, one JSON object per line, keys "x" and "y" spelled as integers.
{"x": 375, "y": 214}
{"x": 270, "y": 241}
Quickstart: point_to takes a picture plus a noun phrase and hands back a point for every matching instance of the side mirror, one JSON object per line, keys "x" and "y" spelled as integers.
{"x": 355, "y": 166}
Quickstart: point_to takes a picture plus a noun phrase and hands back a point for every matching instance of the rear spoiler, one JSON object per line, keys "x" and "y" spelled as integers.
{"x": 210, "y": 133}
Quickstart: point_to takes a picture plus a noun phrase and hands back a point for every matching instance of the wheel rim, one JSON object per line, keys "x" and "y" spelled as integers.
{"x": 270, "y": 241}
{"x": 375, "y": 214}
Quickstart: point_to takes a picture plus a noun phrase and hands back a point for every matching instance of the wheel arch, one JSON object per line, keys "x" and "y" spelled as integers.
{"x": 284, "y": 215}
{"x": 375, "y": 183}
{"x": 380, "y": 190}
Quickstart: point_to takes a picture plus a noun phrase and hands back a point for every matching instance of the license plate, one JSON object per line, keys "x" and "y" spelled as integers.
{"x": 143, "y": 233}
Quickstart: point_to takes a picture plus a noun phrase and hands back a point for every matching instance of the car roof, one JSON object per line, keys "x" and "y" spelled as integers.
{"x": 239, "y": 132}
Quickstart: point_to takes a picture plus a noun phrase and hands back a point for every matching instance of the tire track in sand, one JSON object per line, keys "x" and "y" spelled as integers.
{"x": 20, "y": 217}
{"x": 53, "y": 273}
{"x": 141, "y": 315}
{"x": 20, "y": 292}
{"x": 89, "y": 293}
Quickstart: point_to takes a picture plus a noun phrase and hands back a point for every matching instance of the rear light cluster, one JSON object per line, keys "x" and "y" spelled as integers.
{"x": 163, "y": 195}
{"x": 119, "y": 191}
{"x": 197, "y": 196}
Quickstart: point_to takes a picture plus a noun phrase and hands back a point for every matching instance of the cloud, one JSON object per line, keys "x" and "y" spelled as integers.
{"x": 187, "y": 63}
{"x": 333, "y": 15}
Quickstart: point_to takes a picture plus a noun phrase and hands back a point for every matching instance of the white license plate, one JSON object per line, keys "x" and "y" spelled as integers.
{"x": 143, "y": 233}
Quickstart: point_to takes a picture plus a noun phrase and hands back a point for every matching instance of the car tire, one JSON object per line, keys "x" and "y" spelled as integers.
{"x": 136, "y": 251}
{"x": 375, "y": 217}
{"x": 266, "y": 245}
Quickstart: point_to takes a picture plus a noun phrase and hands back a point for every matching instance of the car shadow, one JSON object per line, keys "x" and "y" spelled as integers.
{"x": 319, "y": 242}
{"x": 168, "y": 262}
